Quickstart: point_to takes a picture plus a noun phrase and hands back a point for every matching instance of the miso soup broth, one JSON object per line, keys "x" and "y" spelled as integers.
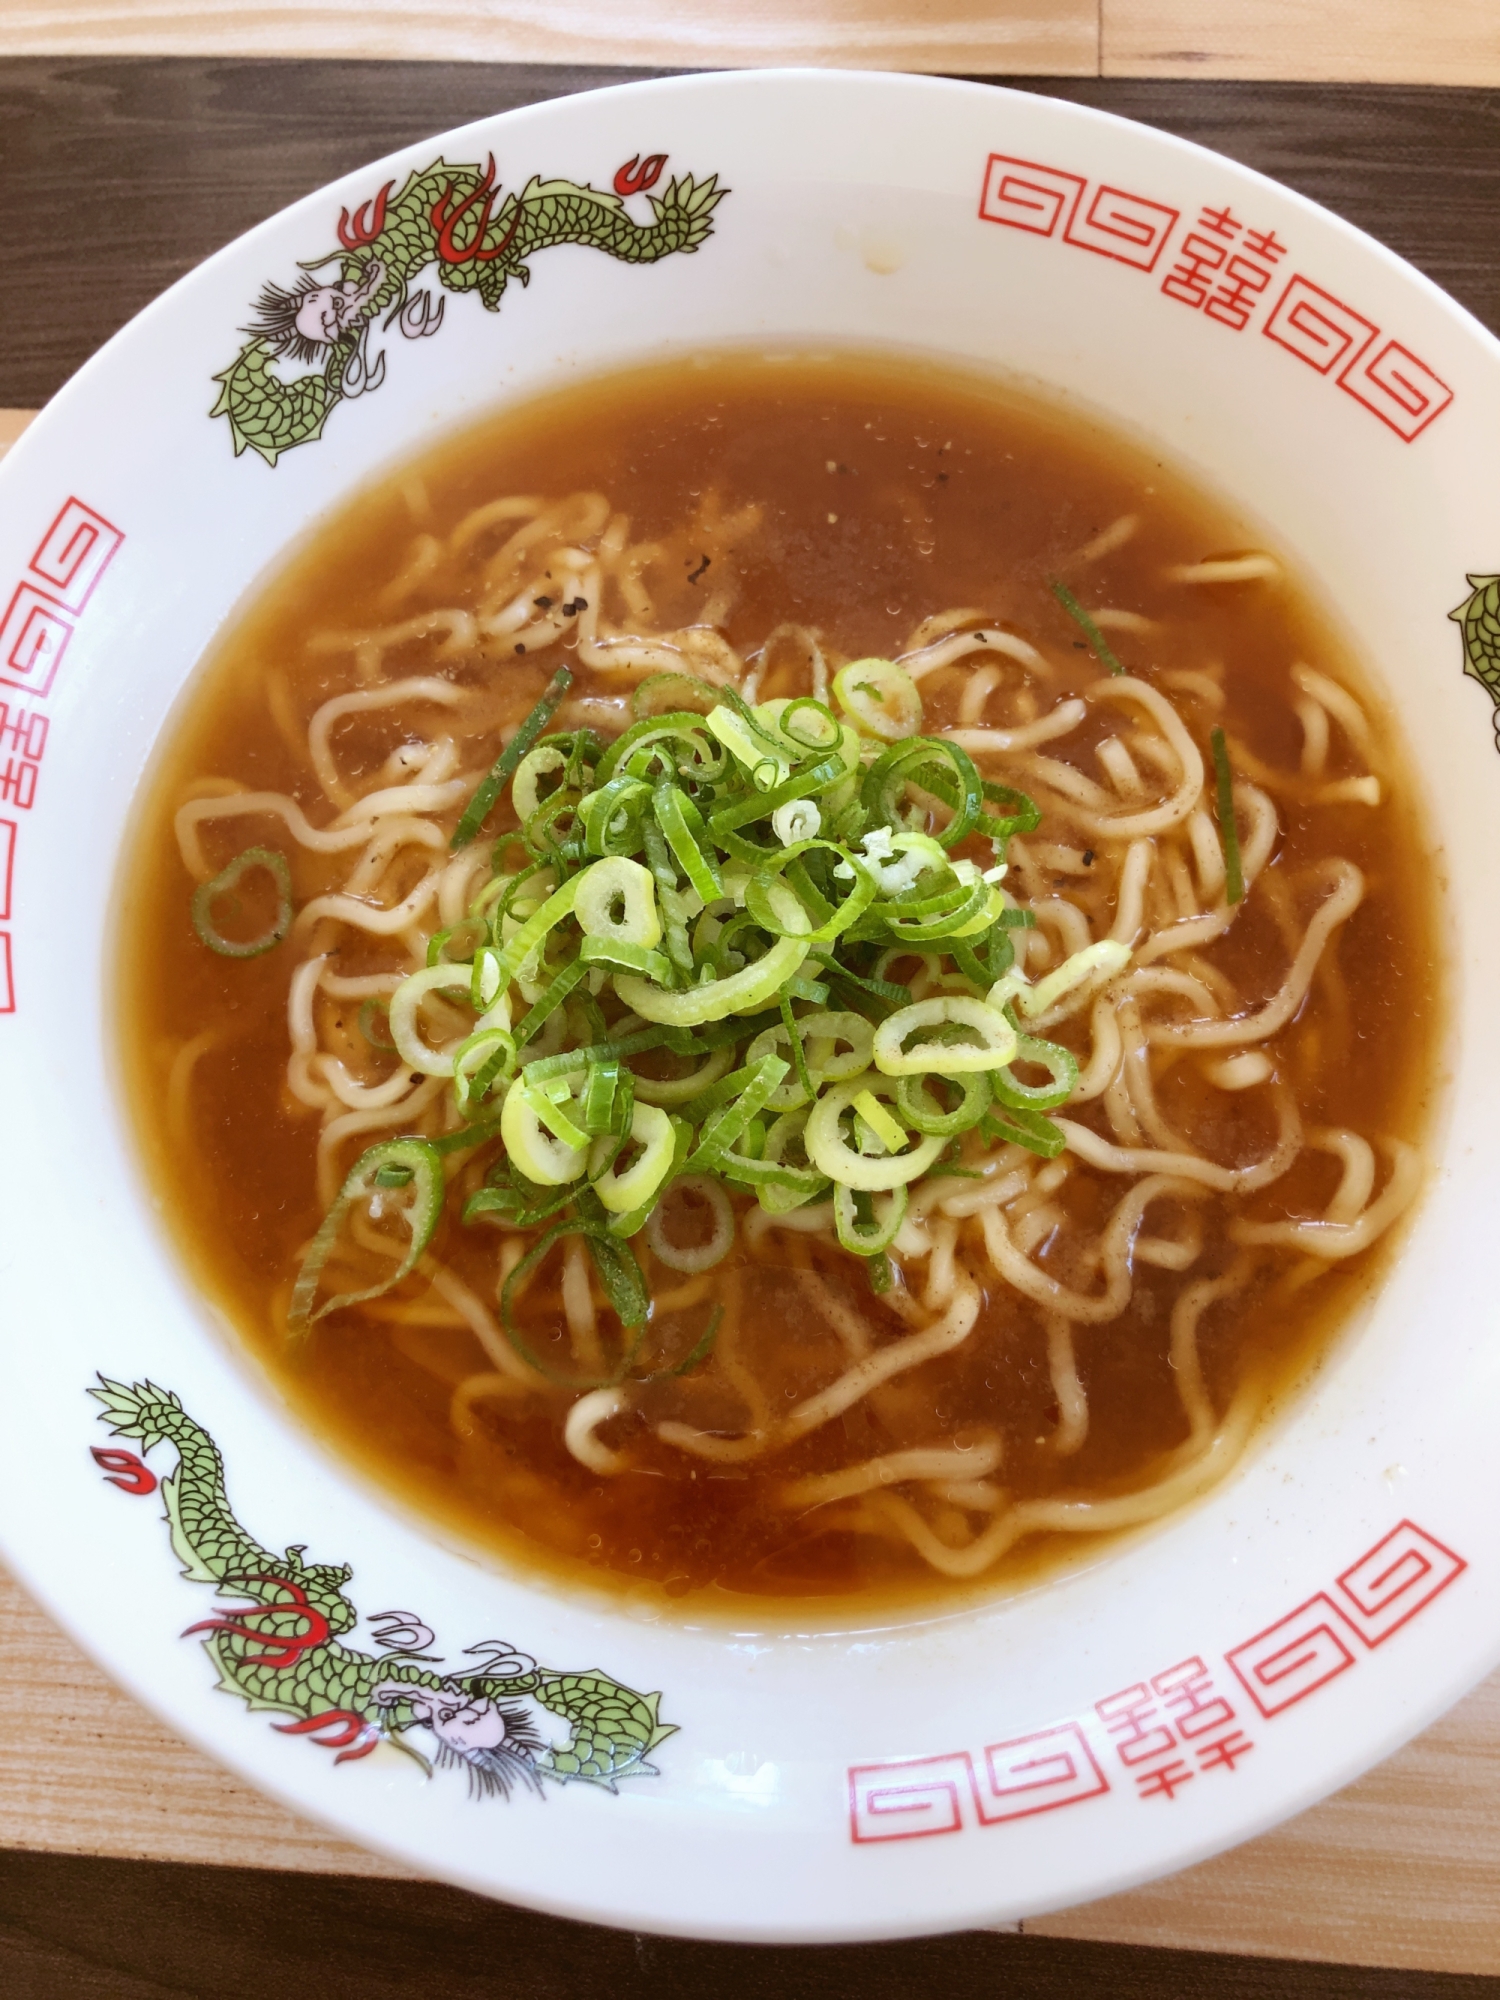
{"x": 909, "y": 1111}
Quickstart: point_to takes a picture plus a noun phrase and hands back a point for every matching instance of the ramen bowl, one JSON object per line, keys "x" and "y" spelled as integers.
{"x": 788, "y": 1782}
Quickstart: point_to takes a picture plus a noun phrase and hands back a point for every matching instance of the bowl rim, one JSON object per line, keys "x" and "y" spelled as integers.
{"x": 63, "y": 1604}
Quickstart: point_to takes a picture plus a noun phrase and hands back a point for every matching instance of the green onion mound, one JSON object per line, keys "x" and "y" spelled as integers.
{"x": 729, "y": 883}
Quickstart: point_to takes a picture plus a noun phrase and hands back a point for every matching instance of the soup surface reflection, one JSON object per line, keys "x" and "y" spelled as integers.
{"x": 1085, "y": 1305}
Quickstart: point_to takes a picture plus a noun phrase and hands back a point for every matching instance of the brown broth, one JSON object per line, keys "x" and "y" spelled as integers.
{"x": 891, "y": 491}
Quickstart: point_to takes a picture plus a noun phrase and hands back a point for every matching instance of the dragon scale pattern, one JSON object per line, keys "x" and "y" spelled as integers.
{"x": 278, "y": 1647}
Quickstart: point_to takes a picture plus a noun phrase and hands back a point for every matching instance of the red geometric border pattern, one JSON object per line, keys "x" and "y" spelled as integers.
{"x": 1398, "y": 1578}
{"x": 39, "y": 622}
{"x": 74, "y": 553}
{"x": 913, "y": 1798}
{"x": 1328, "y": 335}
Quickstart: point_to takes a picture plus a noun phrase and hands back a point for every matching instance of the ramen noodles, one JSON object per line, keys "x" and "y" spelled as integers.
{"x": 784, "y": 978}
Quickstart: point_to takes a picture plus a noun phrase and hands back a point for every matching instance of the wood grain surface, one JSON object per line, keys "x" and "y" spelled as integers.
{"x": 111, "y": 1930}
{"x": 120, "y": 175}
{"x": 1043, "y": 37}
{"x": 1357, "y": 41}
{"x": 1343, "y": 41}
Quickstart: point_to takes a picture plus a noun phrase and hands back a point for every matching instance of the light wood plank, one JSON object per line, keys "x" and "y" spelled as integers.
{"x": 85, "y": 1770}
{"x": 1323, "y": 41}
{"x": 12, "y": 423}
{"x": 1401, "y": 1869}
{"x": 1018, "y": 37}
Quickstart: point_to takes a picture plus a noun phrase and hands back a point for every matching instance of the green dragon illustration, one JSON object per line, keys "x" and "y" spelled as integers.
{"x": 1479, "y": 618}
{"x": 445, "y": 219}
{"x": 506, "y": 1720}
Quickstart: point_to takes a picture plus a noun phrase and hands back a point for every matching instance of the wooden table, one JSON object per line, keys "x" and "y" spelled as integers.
{"x": 130, "y": 1866}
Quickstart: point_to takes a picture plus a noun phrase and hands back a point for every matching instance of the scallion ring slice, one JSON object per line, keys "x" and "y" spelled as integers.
{"x": 526, "y": 794}
{"x": 405, "y": 1004}
{"x": 693, "y": 1256}
{"x": 879, "y": 698}
{"x": 1061, "y": 1065}
{"x": 921, "y": 1110}
{"x": 371, "y": 1015}
{"x": 651, "y": 1130}
{"x": 536, "y": 1150}
{"x": 676, "y": 1090}
{"x": 1229, "y": 833}
{"x": 483, "y": 1061}
{"x": 831, "y": 1153}
{"x": 1015, "y": 1126}
{"x": 743, "y": 992}
{"x": 658, "y": 693}
{"x": 394, "y": 1164}
{"x": 207, "y": 893}
{"x": 868, "y": 1235}
{"x": 798, "y": 1182}
{"x": 994, "y": 1046}
{"x": 616, "y": 900}
{"x": 1107, "y": 956}
{"x": 624, "y": 1285}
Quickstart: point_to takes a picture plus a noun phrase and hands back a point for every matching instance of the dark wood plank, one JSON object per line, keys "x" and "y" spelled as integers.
{"x": 120, "y": 1930}
{"x": 121, "y": 174}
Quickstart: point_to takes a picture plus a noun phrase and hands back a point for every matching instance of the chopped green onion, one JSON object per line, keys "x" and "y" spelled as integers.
{"x": 1014, "y": 1126}
{"x": 1087, "y": 626}
{"x": 687, "y": 836}
{"x": 867, "y": 1224}
{"x": 889, "y": 1131}
{"x": 1060, "y": 1063}
{"x": 993, "y": 1044}
{"x": 532, "y": 1023}
{"x": 799, "y": 1054}
{"x": 478, "y": 808}
{"x": 659, "y": 692}
{"x": 624, "y": 1286}
{"x": 394, "y": 1164}
{"x": 369, "y": 1015}
{"x": 528, "y": 1126}
{"x": 923, "y": 1114}
{"x": 879, "y": 698}
{"x": 737, "y": 878}
{"x": 481, "y": 1062}
{"x": 704, "y": 1345}
{"x": 1229, "y": 833}
{"x": 208, "y": 893}
{"x": 650, "y": 1129}
{"x": 830, "y": 1152}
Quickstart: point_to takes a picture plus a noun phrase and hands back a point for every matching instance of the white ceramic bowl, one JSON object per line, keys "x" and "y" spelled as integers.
{"x": 1198, "y": 1685}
